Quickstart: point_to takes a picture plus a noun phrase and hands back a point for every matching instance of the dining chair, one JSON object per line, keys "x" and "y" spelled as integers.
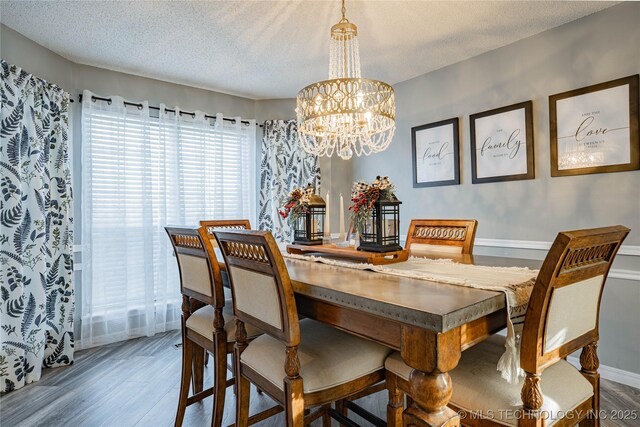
{"x": 224, "y": 224}
{"x": 441, "y": 235}
{"x": 200, "y": 361}
{"x": 208, "y": 323}
{"x": 562, "y": 317}
{"x": 299, "y": 363}
{"x": 425, "y": 236}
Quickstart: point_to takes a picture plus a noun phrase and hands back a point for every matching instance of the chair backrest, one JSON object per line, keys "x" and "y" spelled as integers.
{"x": 564, "y": 307}
{"x": 441, "y": 235}
{"x": 260, "y": 283}
{"x": 223, "y": 224}
{"x": 197, "y": 263}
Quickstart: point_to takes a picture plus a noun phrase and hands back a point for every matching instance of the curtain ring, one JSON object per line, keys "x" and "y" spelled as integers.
{"x": 193, "y": 115}
{"x": 109, "y": 101}
{"x": 140, "y": 106}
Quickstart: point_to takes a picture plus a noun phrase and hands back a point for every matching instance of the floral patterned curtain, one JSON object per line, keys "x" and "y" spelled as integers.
{"x": 36, "y": 242}
{"x": 284, "y": 166}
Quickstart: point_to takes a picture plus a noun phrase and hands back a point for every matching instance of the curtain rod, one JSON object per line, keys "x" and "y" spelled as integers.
{"x": 133, "y": 104}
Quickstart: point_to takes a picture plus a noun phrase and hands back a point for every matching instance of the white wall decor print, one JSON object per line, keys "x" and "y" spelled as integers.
{"x": 502, "y": 144}
{"x": 436, "y": 159}
{"x": 595, "y": 129}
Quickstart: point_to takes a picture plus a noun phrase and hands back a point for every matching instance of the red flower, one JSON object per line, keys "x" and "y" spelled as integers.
{"x": 296, "y": 194}
{"x": 284, "y": 215}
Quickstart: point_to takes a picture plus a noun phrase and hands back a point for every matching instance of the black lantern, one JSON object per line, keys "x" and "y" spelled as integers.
{"x": 382, "y": 229}
{"x": 308, "y": 228}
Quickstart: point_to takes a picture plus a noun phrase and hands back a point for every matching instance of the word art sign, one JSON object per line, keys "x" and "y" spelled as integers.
{"x": 502, "y": 144}
{"x": 436, "y": 159}
{"x": 595, "y": 129}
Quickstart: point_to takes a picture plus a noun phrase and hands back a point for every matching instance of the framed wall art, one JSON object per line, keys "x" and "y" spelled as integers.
{"x": 502, "y": 144}
{"x": 595, "y": 129}
{"x": 435, "y": 149}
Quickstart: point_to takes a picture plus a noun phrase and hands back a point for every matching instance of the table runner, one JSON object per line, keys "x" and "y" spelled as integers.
{"x": 515, "y": 282}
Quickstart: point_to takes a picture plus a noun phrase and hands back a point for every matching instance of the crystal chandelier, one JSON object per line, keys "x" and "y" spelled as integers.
{"x": 345, "y": 114}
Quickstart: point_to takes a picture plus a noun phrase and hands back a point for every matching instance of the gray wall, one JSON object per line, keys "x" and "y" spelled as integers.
{"x": 594, "y": 49}
{"x": 597, "y": 48}
{"x": 19, "y": 50}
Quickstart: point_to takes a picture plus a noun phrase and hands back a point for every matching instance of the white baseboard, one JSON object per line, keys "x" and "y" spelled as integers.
{"x": 516, "y": 244}
{"x": 494, "y": 243}
{"x": 541, "y": 245}
{"x": 618, "y": 273}
{"x": 615, "y": 273}
{"x": 612, "y": 374}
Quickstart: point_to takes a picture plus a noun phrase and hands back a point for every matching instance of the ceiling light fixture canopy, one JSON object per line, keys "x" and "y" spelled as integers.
{"x": 346, "y": 114}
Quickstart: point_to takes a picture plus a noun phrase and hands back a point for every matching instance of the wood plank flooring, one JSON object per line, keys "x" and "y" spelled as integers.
{"x": 135, "y": 383}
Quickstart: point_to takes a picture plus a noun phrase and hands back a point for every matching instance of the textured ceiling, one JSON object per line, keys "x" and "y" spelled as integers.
{"x": 271, "y": 49}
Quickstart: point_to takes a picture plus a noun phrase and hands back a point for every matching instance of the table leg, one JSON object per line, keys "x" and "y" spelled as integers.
{"x": 431, "y": 356}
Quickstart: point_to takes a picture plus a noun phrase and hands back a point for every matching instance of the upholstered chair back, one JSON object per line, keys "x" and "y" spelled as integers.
{"x": 260, "y": 283}
{"x": 199, "y": 270}
{"x": 563, "y": 311}
{"x": 224, "y": 224}
{"x": 455, "y": 236}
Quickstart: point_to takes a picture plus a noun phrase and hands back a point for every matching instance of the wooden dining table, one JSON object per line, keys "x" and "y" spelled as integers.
{"x": 430, "y": 323}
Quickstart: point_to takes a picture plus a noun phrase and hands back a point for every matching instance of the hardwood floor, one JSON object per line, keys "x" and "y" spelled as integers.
{"x": 135, "y": 383}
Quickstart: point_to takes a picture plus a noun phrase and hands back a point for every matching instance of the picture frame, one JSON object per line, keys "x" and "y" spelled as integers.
{"x": 502, "y": 144}
{"x": 435, "y": 149}
{"x": 594, "y": 129}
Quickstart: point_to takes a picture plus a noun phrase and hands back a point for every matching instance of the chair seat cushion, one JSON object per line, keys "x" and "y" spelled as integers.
{"x": 328, "y": 357}
{"x": 478, "y": 386}
{"x": 201, "y": 321}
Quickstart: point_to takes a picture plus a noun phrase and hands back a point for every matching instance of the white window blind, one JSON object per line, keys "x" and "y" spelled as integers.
{"x": 142, "y": 172}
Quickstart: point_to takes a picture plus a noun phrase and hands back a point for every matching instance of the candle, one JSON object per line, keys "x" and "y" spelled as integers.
{"x": 342, "y": 236}
{"x": 327, "y": 218}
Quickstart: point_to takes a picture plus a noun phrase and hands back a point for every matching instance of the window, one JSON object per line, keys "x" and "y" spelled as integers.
{"x": 141, "y": 173}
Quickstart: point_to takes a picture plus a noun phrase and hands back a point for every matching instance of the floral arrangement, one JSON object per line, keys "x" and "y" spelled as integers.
{"x": 365, "y": 195}
{"x": 297, "y": 203}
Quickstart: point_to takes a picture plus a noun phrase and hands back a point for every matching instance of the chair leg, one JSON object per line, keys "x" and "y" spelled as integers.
{"x": 185, "y": 380}
{"x": 532, "y": 399}
{"x": 243, "y": 389}
{"x": 294, "y": 406}
{"x": 219, "y": 378}
{"x": 395, "y": 406}
{"x": 341, "y": 407}
{"x": 198, "y": 369}
{"x": 326, "y": 420}
{"x": 590, "y": 421}
{"x": 242, "y": 385}
{"x": 590, "y": 364}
